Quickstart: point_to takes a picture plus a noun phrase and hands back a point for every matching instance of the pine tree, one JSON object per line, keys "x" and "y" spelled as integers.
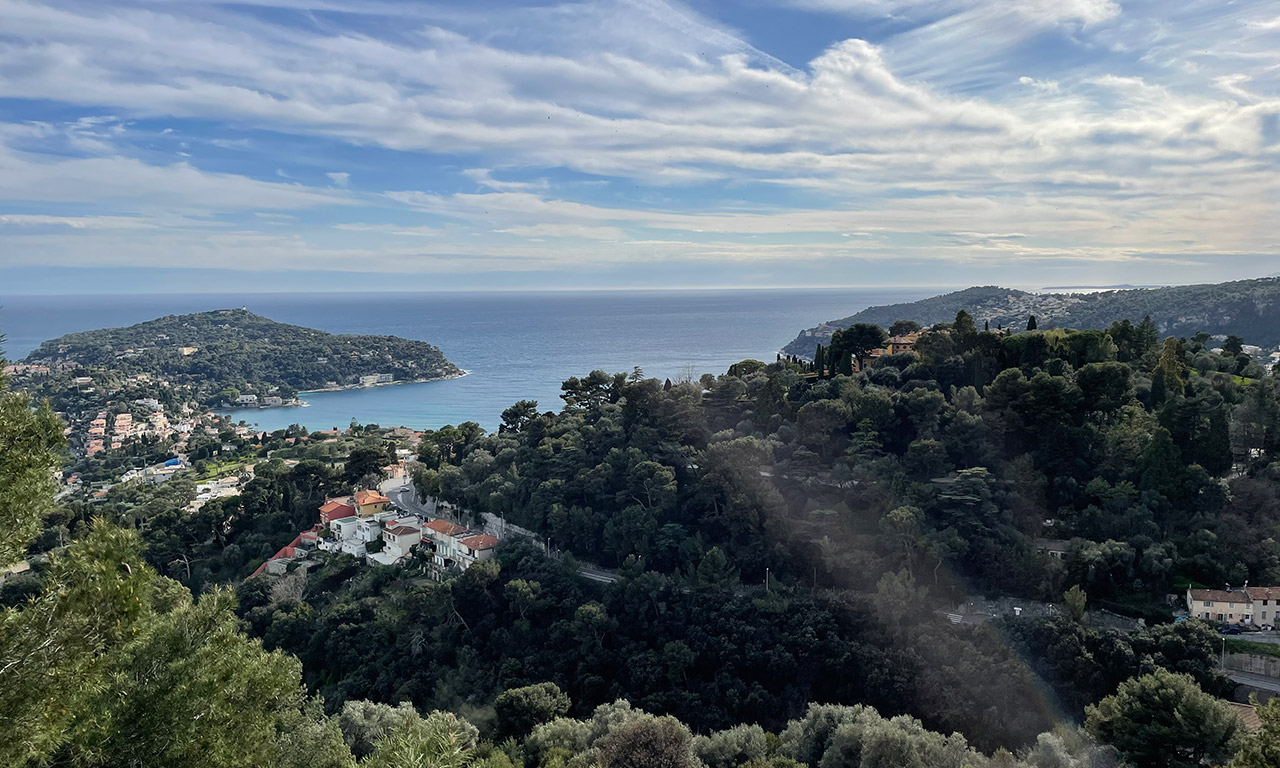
{"x": 1146, "y": 338}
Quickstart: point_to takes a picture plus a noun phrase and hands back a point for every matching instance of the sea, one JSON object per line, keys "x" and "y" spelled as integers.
{"x": 513, "y": 345}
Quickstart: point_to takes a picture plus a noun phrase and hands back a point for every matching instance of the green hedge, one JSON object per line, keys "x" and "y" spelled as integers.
{"x": 1247, "y": 646}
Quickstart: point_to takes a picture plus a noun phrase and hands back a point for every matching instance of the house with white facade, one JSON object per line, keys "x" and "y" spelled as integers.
{"x": 479, "y": 546}
{"x": 444, "y": 537}
{"x": 352, "y": 534}
{"x": 398, "y": 540}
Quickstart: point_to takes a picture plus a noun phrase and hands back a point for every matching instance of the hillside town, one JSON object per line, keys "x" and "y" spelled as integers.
{"x": 366, "y": 525}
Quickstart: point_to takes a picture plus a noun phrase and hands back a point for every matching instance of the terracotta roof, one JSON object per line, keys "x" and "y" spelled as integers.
{"x": 1248, "y": 715}
{"x": 481, "y": 542}
{"x": 402, "y": 530}
{"x": 446, "y": 527}
{"x": 1263, "y": 593}
{"x": 1220, "y": 596}
{"x": 370, "y": 497}
{"x": 335, "y": 510}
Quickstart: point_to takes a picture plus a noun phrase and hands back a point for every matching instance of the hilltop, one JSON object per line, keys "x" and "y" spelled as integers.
{"x": 1247, "y": 308}
{"x": 234, "y": 351}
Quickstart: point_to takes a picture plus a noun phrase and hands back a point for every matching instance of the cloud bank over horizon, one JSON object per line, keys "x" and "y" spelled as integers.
{"x": 641, "y": 142}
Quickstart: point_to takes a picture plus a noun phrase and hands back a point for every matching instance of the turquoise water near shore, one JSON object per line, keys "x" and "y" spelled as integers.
{"x": 514, "y": 345}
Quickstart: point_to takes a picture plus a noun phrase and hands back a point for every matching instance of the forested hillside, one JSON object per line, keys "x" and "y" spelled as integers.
{"x": 780, "y": 538}
{"x": 233, "y": 351}
{"x": 1248, "y": 308}
{"x": 871, "y": 504}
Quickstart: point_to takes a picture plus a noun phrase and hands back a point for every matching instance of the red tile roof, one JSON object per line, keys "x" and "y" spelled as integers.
{"x": 446, "y": 527}
{"x": 370, "y": 497}
{"x": 334, "y": 510}
{"x": 1263, "y": 593}
{"x": 1220, "y": 596}
{"x": 481, "y": 542}
{"x": 402, "y": 530}
{"x": 1248, "y": 715}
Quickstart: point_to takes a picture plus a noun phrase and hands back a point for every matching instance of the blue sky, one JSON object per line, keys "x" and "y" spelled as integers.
{"x": 194, "y": 145}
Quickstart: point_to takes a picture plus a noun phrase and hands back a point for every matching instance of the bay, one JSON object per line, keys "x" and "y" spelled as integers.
{"x": 515, "y": 346}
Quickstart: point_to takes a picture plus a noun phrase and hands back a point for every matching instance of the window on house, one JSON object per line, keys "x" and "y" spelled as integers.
{"x": 1208, "y": 603}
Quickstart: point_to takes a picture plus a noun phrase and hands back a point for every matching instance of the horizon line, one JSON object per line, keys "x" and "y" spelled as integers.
{"x": 827, "y": 288}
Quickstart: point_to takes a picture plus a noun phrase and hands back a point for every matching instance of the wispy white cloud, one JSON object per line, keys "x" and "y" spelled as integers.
{"x": 390, "y": 229}
{"x": 1152, "y": 137}
{"x": 76, "y": 222}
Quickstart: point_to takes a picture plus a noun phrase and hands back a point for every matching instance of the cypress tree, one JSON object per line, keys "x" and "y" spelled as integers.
{"x": 1160, "y": 468}
{"x": 1215, "y": 450}
{"x": 1158, "y": 390}
{"x": 1031, "y": 323}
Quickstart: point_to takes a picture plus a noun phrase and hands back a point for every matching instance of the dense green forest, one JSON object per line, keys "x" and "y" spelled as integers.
{"x": 1248, "y": 308}
{"x": 781, "y": 538}
{"x": 237, "y": 352}
{"x": 1154, "y": 458}
{"x": 870, "y": 503}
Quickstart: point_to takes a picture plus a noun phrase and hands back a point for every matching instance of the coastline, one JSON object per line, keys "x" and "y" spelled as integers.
{"x": 343, "y": 388}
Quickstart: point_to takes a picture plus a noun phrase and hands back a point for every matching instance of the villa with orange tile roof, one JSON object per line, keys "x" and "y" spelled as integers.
{"x": 370, "y": 503}
{"x": 894, "y": 346}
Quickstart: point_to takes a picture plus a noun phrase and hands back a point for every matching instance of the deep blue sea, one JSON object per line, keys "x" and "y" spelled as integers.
{"x": 514, "y": 345}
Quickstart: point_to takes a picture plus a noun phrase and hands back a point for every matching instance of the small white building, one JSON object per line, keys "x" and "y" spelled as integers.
{"x": 398, "y": 540}
{"x": 247, "y": 400}
{"x": 351, "y": 534}
{"x": 401, "y": 539}
{"x": 477, "y": 547}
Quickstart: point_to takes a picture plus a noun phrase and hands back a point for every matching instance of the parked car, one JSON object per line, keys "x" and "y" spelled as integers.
{"x": 1232, "y": 630}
